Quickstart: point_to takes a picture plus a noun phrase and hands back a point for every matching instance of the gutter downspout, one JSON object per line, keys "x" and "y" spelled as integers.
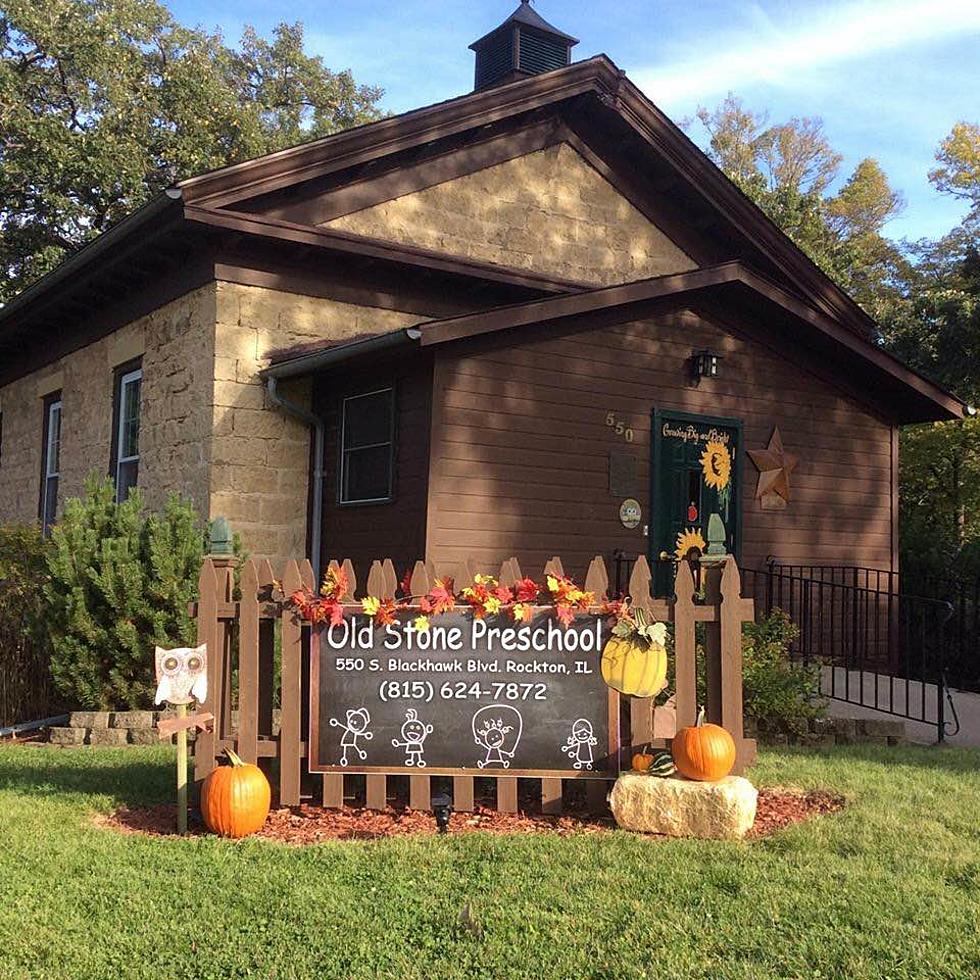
{"x": 316, "y": 528}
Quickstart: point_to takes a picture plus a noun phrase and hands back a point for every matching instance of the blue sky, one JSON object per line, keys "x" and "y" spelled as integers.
{"x": 888, "y": 77}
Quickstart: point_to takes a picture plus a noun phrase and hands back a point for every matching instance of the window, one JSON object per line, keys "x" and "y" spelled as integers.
{"x": 50, "y": 460}
{"x": 125, "y": 461}
{"x": 367, "y": 443}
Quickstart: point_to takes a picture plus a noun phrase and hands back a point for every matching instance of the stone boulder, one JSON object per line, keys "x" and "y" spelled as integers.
{"x": 679, "y": 807}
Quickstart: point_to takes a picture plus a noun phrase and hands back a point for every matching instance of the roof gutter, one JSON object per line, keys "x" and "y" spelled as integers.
{"x": 317, "y": 360}
{"x": 89, "y": 253}
{"x": 306, "y": 364}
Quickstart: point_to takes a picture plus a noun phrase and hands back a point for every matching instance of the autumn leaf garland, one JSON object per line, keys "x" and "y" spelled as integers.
{"x": 485, "y": 596}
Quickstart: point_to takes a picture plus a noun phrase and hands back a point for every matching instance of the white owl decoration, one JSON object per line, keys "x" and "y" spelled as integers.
{"x": 182, "y": 674}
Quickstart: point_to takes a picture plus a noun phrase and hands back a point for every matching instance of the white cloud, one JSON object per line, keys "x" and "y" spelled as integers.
{"x": 782, "y": 54}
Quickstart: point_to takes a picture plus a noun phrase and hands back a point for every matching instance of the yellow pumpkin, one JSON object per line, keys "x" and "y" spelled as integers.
{"x": 634, "y": 668}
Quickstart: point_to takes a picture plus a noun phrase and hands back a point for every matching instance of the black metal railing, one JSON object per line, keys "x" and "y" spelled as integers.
{"x": 877, "y": 648}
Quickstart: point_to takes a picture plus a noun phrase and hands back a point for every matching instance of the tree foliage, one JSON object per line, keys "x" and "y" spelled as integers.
{"x": 119, "y": 584}
{"x": 788, "y": 169}
{"x": 925, "y": 296}
{"x": 25, "y": 655}
{"x": 935, "y": 327}
{"x": 103, "y": 104}
{"x": 958, "y": 157}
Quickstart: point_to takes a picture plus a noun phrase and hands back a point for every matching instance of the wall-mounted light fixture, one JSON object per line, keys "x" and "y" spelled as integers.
{"x": 704, "y": 364}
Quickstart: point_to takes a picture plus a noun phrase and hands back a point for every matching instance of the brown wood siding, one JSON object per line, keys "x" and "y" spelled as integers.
{"x": 397, "y": 529}
{"x": 521, "y": 446}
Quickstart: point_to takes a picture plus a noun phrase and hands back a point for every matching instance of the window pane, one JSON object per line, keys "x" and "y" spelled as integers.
{"x": 50, "y": 500}
{"x": 54, "y": 440}
{"x": 129, "y": 419}
{"x": 367, "y": 474}
{"x": 367, "y": 420}
{"x": 128, "y": 474}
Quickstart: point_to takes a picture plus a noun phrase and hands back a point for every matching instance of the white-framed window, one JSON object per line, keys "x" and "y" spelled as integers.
{"x": 367, "y": 447}
{"x": 126, "y": 444}
{"x": 50, "y": 460}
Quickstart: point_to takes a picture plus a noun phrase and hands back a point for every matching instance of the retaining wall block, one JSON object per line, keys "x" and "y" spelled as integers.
{"x": 882, "y": 727}
{"x": 144, "y": 736}
{"x": 108, "y": 736}
{"x": 132, "y": 719}
{"x": 67, "y": 736}
{"x": 89, "y": 719}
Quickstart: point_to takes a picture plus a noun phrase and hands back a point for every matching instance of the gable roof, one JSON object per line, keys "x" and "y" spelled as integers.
{"x": 598, "y": 79}
{"x": 871, "y": 371}
{"x": 595, "y": 92}
{"x": 915, "y": 398}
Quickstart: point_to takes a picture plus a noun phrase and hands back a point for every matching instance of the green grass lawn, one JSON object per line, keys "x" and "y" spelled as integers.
{"x": 890, "y": 887}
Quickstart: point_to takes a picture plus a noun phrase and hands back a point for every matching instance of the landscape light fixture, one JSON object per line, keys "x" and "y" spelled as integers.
{"x": 704, "y": 364}
{"x": 442, "y": 807}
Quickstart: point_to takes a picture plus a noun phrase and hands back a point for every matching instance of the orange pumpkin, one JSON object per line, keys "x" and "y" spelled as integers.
{"x": 642, "y": 762}
{"x": 703, "y": 752}
{"x": 235, "y": 799}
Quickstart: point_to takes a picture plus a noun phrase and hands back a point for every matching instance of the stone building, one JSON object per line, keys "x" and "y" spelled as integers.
{"x": 467, "y": 331}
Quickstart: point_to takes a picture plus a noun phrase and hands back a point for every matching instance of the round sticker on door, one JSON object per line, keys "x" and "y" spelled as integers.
{"x": 629, "y": 513}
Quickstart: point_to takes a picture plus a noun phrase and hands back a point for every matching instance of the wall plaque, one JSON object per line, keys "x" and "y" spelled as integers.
{"x": 630, "y": 513}
{"x": 622, "y": 474}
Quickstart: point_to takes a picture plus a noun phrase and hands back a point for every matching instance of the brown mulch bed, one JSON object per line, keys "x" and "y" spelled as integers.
{"x": 778, "y": 808}
{"x": 310, "y": 825}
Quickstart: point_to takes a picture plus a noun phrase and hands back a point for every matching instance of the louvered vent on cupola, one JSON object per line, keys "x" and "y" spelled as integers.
{"x": 524, "y": 44}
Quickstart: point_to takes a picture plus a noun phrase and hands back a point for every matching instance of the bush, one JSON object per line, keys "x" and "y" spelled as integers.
{"x": 778, "y": 694}
{"x": 26, "y": 691}
{"x": 120, "y": 583}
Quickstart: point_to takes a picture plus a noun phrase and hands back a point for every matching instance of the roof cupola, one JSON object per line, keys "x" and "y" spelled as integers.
{"x": 524, "y": 44}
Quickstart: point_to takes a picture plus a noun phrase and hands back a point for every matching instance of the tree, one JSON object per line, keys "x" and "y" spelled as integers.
{"x": 958, "y": 157}
{"x": 119, "y": 584}
{"x": 103, "y": 104}
{"x": 935, "y": 327}
{"x": 787, "y": 169}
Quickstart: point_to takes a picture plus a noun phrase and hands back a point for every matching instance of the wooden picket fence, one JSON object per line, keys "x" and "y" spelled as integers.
{"x": 241, "y": 637}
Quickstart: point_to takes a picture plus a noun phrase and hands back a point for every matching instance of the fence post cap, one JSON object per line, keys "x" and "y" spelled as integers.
{"x": 222, "y": 544}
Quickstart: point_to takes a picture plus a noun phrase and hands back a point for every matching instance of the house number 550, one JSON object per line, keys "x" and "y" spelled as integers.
{"x": 619, "y": 426}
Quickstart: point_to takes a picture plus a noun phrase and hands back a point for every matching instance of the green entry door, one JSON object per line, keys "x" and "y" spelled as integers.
{"x": 694, "y": 474}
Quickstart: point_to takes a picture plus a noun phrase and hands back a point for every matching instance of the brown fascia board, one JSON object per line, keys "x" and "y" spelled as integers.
{"x": 353, "y": 146}
{"x": 129, "y": 235}
{"x": 374, "y": 248}
{"x": 726, "y": 197}
{"x": 632, "y": 297}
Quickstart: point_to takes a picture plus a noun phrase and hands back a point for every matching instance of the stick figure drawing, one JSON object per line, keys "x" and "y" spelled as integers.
{"x": 580, "y": 742}
{"x": 497, "y": 728}
{"x": 355, "y": 727}
{"x": 414, "y": 733}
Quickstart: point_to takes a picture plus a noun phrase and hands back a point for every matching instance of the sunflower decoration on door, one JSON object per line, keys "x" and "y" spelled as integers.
{"x": 716, "y": 464}
{"x": 689, "y": 540}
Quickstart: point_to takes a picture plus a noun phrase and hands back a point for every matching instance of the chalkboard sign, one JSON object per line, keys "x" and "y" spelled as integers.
{"x": 483, "y": 696}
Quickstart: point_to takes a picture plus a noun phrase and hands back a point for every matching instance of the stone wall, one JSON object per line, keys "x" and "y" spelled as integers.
{"x": 260, "y": 476}
{"x": 114, "y": 728}
{"x": 548, "y": 211}
{"x": 836, "y": 731}
{"x": 176, "y": 343}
